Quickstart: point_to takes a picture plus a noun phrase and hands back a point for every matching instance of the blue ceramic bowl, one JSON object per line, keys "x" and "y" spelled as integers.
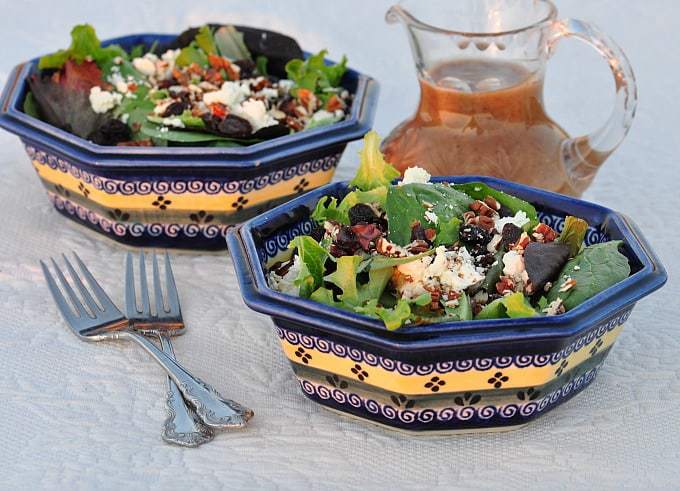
{"x": 178, "y": 197}
{"x": 476, "y": 375}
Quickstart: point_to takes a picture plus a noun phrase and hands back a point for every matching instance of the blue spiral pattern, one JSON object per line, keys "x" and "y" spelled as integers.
{"x": 521, "y": 361}
{"x": 136, "y": 229}
{"x": 180, "y": 186}
{"x": 371, "y": 407}
{"x": 593, "y": 235}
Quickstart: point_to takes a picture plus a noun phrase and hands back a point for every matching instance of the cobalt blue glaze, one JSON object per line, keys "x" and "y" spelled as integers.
{"x": 535, "y": 335}
{"x": 167, "y": 165}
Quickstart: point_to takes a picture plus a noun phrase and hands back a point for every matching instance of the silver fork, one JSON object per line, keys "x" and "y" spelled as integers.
{"x": 103, "y": 321}
{"x": 182, "y": 426}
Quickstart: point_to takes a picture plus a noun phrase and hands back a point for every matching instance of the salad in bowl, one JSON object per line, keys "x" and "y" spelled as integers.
{"x": 417, "y": 252}
{"x": 209, "y": 86}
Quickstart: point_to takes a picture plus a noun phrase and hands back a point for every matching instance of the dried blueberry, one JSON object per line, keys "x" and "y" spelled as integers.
{"x": 504, "y": 211}
{"x": 486, "y": 260}
{"x": 247, "y": 68}
{"x": 471, "y": 235}
{"x": 361, "y": 213}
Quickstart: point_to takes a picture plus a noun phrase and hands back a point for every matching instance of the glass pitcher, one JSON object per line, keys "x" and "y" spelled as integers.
{"x": 481, "y": 65}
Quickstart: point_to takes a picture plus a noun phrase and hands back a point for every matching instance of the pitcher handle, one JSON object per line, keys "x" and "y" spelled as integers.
{"x": 583, "y": 155}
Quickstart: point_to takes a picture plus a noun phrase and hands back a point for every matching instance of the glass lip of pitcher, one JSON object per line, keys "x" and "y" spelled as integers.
{"x": 398, "y": 12}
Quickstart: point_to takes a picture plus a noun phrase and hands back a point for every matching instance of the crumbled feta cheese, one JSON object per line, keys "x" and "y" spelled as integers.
{"x": 493, "y": 244}
{"x": 145, "y": 66}
{"x": 286, "y": 283}
{"x": 256, "y": 113}
{"x": 321, "y": 115}
{"x": 513, "y": 264}
{"x": 520, "y": 219}
{"x": 230, "y": 94}
{"x": 415, "y": 175}
{"x": 431, "y": 217}
{"x": 286, "y": 84}
{"x": 102, "y": 100}
{"x": 174, "y": 122}
{"x": 171, "y": 55}
{"x": 448, "y": 271}
{"x": 555, "y": 307}
{"x": 161, "y": 106}
{"x": 269, "y": 93}
{"x": 124, "y": 118}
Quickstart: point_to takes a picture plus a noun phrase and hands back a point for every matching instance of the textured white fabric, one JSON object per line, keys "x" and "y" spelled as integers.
{"x": 80, "y": 416}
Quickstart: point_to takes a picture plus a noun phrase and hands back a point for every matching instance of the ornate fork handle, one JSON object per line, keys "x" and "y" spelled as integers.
{"x": 182, "y": 426}
{"x": 215, "y": 411}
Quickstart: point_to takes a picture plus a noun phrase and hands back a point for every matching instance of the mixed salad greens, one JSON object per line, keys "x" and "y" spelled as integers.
{"x": 211, "y": 86}
{"x": 420, "y": 252}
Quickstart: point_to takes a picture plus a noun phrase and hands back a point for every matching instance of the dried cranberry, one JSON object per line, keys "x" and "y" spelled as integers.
{"x": 511, "y": 234}
{"x": 317, "y": 233}
{"x": 504, "y": 211}
{"x": 472, "y": 235}
{"x": 361, "y": 213}
{"x": 235, "y": 126}
{"x": 174, "y": 109}
{"x": 346, "y": 241}
{"x": 366, "y": 234}
{"x": 111, "y": 132}
{"x": 247, "y": 68}
{"x": 417, "y": 232}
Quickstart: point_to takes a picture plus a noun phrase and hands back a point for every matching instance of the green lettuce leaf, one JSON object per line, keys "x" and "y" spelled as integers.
{"x": 329, "y": 209}
{"x": 192, "y": 54}
{"x": 463, "y": 312}
{"x": 205, "y": 40}
{"x": 313, "y": 74}
{"x": 573, "y": 233}
{"x": 595, "y": 268}
{"x": 478, "y": 190}
{"x": 345, "y": 278}
{"x": 373, "y": 170}
{"x": 514, "y": 305}
{"x": 405, "y": 205}
{"x": 229, "y": 43}
{"x": 312, "y": 258}
{"x": 393, "y": 318}
{"x": 84, "y": 44}
{"x": 448, "y": 231}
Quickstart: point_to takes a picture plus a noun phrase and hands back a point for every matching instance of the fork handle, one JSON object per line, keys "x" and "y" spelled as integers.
{"x": 214, "y": 410}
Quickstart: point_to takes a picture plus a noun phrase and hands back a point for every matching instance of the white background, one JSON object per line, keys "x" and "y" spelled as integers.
{"x": 78, "y": 416}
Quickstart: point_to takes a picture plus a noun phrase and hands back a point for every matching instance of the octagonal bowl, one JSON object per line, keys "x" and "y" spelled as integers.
{"x": 459, "y": 376}
{"x": 186, "y": 197}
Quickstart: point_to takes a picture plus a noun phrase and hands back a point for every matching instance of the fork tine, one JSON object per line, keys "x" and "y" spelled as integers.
{"x": 64, "y": 307}
{"x": 157, "y": 290}
{"x": 131, "y": 308}
{"x": 67, "y": 288}
{"x": 81, "y": 287}
{"x": 98, "y": 291}
{"x": 144, "y": 287}
{"x": 171, "y": 288}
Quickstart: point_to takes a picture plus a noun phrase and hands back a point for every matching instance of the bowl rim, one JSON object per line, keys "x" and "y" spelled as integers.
{"x": 13, "y": 119}
{"x": 258, "y": 295}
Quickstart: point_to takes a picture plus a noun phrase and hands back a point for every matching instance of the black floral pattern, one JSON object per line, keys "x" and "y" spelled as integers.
{"x": 335, "y": 381}
{"x": 301, "y": 186}
{"x": 201, "y": 217}
{"x": 240, "y": 203}
{"x": 597, "y": 346}
{"x": 530, "y": 394}
{"x": 435, "y": 384}
{"x": 83, "y": 189}
{"x": 118, "y": 215}
{"x": 561, "y": 368}
{"x": 62, "y": 190}
{"x": 161, "y": 202}
{"x": 403, "y": 401}
{"x": 359, "y": 372}
{"x": 303, "y": 355}
{"x": 498, "y": 380}
{"x": 468, "y": 399}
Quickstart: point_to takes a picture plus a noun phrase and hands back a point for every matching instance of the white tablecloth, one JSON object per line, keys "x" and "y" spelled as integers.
{"x": 76, "y": 415}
